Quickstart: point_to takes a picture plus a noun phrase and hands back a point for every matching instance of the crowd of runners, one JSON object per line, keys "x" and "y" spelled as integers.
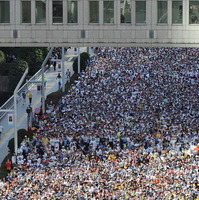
{"x": 127, "y": 130}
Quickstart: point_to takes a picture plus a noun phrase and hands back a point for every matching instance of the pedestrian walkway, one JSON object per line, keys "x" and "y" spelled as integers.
{"x": 51, "y": 86}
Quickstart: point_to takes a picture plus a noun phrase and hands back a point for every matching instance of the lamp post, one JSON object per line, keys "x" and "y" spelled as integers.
{"x": 29, "y": 118}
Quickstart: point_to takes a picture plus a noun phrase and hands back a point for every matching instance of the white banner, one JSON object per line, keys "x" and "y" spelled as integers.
{"x": 10, "y": 119}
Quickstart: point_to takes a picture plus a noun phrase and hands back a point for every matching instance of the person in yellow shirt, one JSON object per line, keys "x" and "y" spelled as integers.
{"x": 30, "y": 95}
{"x": 45, "y": 82}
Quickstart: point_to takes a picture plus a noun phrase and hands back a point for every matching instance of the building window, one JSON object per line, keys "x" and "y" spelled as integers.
{"x": 141, "y": 12}
{"x": 72, "y": 12}
{"x": 40, "y": 11}
{"x": 194, "y": 12}
{"x": 4, "y": 12}
{"x": 26, "y": 11}
{"x": 125, "y": 9}
{"x": 162, "y": 12}
{"x": 177, "y": 12}
{"x": 94, "y": 11}
{"x": 57, "y": 11}
{"x": 108, "y": 11}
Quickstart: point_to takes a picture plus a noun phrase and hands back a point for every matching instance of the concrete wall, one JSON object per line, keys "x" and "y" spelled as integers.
{"x": 117, "y": 34}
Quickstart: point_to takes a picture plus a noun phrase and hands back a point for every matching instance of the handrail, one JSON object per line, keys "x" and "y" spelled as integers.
{"x": 9, "y": 104}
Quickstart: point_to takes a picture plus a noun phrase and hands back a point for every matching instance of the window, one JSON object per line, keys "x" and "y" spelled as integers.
{"x": 125, "y": 9}
{"x": 72, "y": 12}
{"x": 108, "y": 11}
{"x": 94, "y": 11}
{"x": 194, "y": 12}
{"x": 162, "y": 12}
{"x": 41, "y": 11}
{"x": 4, "y": 12}
{"x": 57, "y": 12}
{"x": 177, "y": 12}
{"x": 140, "y": 11}
{"x": 26, "y": 11}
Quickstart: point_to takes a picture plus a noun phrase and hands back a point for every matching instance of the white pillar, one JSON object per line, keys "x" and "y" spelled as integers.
{"x": 15, "y": 109}
{"x": 63, "y": 71}
{"x": 78, "y": 51}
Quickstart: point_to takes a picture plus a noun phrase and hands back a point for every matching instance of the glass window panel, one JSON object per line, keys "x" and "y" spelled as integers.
{"x": 72, "y": 11}
{"x": 26, "y": 11}
{"x": 194, "y": 12}
{"x": 4, "y": 12}
{"x": 108, "y": 11}
{"x": 41, "y": 11}
{"x": 140, "y": 11}
{"x": 177, "y": 12}
{"x": 125, "y": 9}
{"x": 94, "y": 11}
{"x": 57, "y": 12}
{"x": 162, "y": 12}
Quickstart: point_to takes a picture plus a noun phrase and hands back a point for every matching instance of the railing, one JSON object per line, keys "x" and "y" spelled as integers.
{"x": 9, "y": 104}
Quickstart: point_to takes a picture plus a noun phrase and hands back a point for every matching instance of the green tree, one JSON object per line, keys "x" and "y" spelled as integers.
{"x": 2, "y": 57}
{"x": 34, "y": 56}
{"x": 16, "y": 72}
{"x": 54, "y": 97}
{"x": 84, "y": 57}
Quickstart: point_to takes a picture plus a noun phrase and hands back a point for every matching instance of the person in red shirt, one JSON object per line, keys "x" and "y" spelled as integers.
{"x": 8, "y": 165}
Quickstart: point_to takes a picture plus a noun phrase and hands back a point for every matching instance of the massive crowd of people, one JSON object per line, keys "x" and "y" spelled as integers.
{"x": 126, "y": 130}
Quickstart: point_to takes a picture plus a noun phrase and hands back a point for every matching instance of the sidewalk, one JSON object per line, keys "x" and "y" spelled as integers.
{"x": 51, "y": 86}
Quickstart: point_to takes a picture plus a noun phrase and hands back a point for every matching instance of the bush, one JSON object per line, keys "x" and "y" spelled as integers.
{"x": 3, "y": 170}
{"x": 30, "y": 134}
{"x": 54, "y": 97}
{"x": 84, "y": 57}
{"x": 2, "y": 57}
{"x": 21, "y": 135}
{"x": 11, "y": 144}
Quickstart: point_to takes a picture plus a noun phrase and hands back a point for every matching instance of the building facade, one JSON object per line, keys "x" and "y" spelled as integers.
{"x": 99, "y": 23}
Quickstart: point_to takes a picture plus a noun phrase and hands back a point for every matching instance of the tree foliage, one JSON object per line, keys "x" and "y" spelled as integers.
{"x": 16, "y": 72}
{"x": 84, "y": 57}
{"x": 2, "y": 57}
{"x": 54, "y": 97}
{"x": 34, "y": 56}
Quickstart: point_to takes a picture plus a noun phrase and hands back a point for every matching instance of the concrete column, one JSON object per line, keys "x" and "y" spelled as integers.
{"x": 15, "y": 109}
{"x": 33, "y": 15}
{"x": 169, "y": 13}
{"x": 117, "y": 12}
{"x": 63, "y": 70}
{"x": 78, "y": 51}
{"x": 133, "y": 13}
{"x": 185, "y": 12}
{"x": 101, "y": 14}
